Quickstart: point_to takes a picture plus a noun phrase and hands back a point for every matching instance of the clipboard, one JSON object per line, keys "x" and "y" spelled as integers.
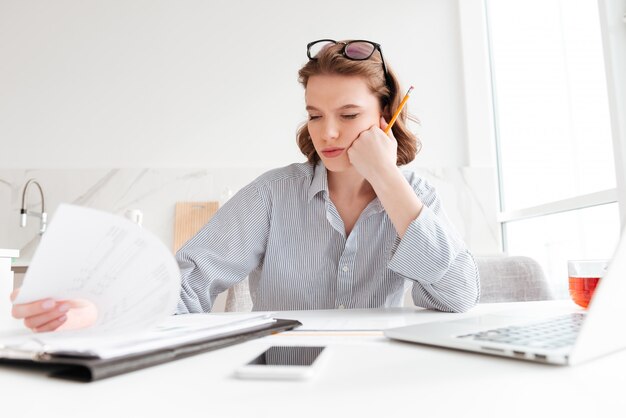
{"x": 84, "y": 369}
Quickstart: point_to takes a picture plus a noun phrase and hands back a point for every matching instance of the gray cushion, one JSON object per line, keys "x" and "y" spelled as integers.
{"x": 511, "y": 279}
{"x": 238, "y": 298}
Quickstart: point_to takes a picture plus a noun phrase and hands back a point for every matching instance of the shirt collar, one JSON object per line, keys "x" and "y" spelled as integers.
{"x": 319, "y": 182}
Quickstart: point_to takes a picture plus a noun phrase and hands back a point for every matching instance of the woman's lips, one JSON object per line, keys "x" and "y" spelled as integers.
{"x": 332, "y": 152}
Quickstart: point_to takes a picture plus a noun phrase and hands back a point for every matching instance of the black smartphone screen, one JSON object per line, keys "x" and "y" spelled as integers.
{"x": 288, "y": 356}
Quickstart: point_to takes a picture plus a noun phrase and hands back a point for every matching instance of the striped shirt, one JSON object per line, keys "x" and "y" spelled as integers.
{"x": 284, "y": 233}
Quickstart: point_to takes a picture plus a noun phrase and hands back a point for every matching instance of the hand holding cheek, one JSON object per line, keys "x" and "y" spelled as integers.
{"x": 374, "y": 152}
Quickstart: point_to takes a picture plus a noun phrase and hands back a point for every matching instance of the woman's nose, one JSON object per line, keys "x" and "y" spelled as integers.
{"x": 330, "y": 130}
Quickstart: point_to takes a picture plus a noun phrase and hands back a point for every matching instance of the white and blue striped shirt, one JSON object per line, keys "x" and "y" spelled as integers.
{"x": 283, "y": 231}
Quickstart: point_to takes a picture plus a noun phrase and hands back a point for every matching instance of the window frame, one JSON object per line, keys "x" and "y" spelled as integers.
{"x": 481, "y": 109}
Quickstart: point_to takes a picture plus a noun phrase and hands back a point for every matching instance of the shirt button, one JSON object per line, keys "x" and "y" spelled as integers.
{"x": 345, "y": 269}
{"x": 342, "y": 307}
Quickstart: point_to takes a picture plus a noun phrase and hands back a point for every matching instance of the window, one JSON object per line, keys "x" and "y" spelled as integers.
{"x": 556, "y": 168}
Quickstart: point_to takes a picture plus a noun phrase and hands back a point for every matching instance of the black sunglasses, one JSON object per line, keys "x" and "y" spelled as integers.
{"x": 357, "y": 50}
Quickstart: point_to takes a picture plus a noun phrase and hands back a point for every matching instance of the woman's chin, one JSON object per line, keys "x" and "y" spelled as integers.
{"x": 336, "y": 165}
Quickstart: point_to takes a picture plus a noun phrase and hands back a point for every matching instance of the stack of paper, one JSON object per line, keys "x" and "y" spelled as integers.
{"x": 131, "y": 277}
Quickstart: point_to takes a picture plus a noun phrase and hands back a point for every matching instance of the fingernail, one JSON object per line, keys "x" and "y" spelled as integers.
{"x": 62, "y": 318}
{"x": 48, "y": 304}
{"x": 64, "y": 308}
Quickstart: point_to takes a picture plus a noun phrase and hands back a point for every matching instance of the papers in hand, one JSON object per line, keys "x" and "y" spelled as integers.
{"x": 127, "y": 272}
{"x": 131, "y": 277}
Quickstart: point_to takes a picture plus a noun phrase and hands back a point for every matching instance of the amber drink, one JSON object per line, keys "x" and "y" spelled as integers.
{"x": 584, "y": 276}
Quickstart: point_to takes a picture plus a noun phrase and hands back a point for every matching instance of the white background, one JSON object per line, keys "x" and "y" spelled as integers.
{"x": 101, "y": 84}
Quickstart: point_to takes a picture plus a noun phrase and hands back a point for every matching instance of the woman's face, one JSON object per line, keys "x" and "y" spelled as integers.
{"x": 340, "y": 108}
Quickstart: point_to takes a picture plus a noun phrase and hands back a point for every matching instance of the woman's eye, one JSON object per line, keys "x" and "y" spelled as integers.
{"x": 313, "y": 117}
{"x": 351, "y": 116}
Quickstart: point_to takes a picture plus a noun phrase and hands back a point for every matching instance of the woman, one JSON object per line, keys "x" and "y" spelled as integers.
{"x": 346, "y": 229}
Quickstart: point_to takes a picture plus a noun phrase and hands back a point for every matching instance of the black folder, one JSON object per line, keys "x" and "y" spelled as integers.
{"x": 85, "y": 369}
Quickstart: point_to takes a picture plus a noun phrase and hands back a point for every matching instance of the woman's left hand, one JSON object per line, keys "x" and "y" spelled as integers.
{"x": 374, "y": 152}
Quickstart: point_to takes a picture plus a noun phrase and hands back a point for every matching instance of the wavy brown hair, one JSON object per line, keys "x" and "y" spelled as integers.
{"x": 330, "y": 61}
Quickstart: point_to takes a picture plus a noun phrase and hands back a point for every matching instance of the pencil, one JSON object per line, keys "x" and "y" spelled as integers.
{"x": 395, "y": 115}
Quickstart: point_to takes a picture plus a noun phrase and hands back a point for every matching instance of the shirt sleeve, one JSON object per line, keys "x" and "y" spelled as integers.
{"x": 435, "y": 258}
{"x": 224, "y": 251}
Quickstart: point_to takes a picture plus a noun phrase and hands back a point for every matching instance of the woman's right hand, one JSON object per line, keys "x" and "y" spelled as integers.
{"x": 49, "y": 314}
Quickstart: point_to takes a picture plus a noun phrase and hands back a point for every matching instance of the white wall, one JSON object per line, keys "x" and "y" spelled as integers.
{"x": 155, "y": 83}
{"x": 211, "y": 86}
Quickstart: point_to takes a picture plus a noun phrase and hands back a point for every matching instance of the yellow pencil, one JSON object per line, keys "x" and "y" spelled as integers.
{"x": 395, "y": 115}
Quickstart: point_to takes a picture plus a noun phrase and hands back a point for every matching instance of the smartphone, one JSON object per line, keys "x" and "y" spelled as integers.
{"x": 283, "y": 362}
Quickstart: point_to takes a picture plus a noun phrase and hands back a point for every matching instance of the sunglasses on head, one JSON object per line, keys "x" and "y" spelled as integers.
{"x": 358, "y": 50}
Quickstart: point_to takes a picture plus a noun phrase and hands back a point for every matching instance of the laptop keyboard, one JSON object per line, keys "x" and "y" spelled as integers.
{"x": 552, "y": 333}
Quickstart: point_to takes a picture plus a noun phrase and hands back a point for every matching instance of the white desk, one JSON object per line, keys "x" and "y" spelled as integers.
{"x": 365, "y": 375}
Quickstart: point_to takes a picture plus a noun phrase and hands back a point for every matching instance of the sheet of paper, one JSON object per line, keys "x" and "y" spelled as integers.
{"x": 127, "y": 272}
{"x": 131, "y": 277}
{"x": 175, "y": 330}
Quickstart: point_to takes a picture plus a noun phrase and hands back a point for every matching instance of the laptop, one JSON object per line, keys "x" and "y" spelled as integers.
{"x": 562, "y": 339}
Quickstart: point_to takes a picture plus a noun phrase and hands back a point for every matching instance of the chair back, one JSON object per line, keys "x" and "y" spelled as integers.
{"x": 512, "y": 279}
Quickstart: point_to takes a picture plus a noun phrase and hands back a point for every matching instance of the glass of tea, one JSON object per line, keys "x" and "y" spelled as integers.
{"x": 584, "y": 276}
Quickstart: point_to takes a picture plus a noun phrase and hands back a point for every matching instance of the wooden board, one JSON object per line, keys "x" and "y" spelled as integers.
{"x": 190, "y": 217}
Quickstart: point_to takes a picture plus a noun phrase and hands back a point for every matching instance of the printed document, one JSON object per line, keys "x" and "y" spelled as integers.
{"x": 131, "y": 277}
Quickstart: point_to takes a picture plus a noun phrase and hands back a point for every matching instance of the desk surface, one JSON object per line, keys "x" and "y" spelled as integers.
{"x": 365, "y": 375}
